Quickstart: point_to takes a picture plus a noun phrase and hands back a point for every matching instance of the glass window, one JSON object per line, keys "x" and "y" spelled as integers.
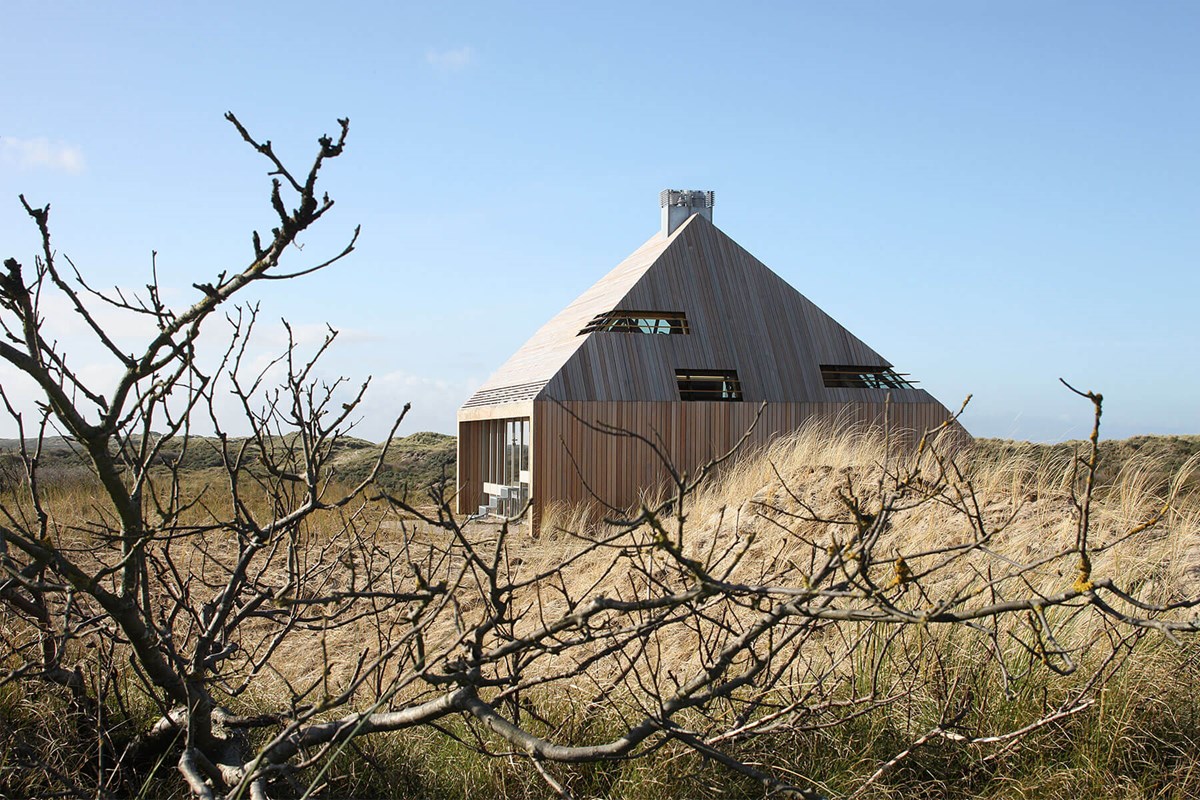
{"x": 653, "y": 322}
{"x": 708, "y": 384}
{"x": 842, "y": 376}
{"x": 506, "y": 466}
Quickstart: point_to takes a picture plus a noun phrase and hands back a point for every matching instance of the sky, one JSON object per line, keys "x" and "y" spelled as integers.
{"x": 992, "y": 195}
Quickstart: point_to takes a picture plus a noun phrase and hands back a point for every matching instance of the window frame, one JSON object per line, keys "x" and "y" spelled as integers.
{"x": 700, "y": 385}
{"x": 653, "y": 323}
{"x": 851, "y": 376}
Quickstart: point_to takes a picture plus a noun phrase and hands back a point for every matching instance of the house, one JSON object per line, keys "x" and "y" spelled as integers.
{"x": 681, "y": 343}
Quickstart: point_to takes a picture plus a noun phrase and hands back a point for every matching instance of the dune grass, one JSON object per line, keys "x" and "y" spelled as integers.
{"x": 1139, "y": 736}
{"x": 1137, "y": 740}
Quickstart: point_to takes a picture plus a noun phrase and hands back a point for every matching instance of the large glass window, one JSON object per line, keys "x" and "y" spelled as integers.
{"x": 506, "y": 469}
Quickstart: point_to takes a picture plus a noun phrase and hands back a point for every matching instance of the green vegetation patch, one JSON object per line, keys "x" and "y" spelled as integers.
{"x": 412, "y": 463}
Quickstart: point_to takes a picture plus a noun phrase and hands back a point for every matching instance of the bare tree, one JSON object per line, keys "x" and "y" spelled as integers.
{"x": 267, "y": 616}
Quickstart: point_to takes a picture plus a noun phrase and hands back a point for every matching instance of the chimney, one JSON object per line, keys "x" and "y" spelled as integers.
{"x": 679, "y": 204}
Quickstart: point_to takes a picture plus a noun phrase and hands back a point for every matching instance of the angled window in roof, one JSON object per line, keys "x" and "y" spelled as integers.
{"x": 708, "y": 384}
{"x": 845, "y": 376}
{"x": 662, "y": 322}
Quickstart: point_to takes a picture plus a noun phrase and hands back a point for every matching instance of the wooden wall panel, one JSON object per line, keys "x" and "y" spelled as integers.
{"x": 469, "y": 485}
{"x": 571, "y": 462}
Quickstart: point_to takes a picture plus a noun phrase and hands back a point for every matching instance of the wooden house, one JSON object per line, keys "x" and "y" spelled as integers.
{"x": 681, "y": 343}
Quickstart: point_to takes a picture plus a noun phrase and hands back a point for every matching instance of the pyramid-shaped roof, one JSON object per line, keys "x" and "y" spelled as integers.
{"x": 740, "y": 315}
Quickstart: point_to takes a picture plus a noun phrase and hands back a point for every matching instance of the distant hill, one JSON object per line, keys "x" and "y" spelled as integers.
{"x": 1159, "y": 456}
{"x": 413, "y": 462}
{"x": 416, "y": 461}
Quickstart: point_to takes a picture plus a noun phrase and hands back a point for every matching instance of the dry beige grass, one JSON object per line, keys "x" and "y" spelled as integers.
{"x": 751, "y": 510}
{"x": 1026, "y": 501}
{"x": 768, "y": 520}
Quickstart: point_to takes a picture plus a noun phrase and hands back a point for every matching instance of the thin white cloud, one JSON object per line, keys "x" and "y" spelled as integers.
{"x": 452, "y": 60}
{"x": 41, "y": 153}
{"x": 310, "y": 335}
{"x": 434, "y": 402}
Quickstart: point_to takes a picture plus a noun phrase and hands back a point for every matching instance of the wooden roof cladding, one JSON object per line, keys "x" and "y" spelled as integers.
{"x": 740, "y": 315}
{"x": 540, "y": 358}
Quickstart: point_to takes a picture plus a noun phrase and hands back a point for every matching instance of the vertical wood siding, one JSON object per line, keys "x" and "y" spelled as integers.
{"x": 469, "y": 486}
{"x": 742, "y": 317}
{"x": 573, "y": 463}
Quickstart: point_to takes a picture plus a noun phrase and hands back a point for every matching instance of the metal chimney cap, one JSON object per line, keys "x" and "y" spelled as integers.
{"x": 679, "y": 205}
{"x": 691, "y": 198}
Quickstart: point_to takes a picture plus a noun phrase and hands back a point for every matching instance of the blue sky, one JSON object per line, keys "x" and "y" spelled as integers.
{"x": 992, "y": 195}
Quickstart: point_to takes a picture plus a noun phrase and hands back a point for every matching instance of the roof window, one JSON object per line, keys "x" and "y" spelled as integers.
{"x": 708, "y": 384}
{"x": 842, "y": 376}
{"x": 665, "y": 322}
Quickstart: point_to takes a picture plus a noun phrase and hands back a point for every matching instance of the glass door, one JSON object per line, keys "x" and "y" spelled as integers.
{"x": 506, "y": 472}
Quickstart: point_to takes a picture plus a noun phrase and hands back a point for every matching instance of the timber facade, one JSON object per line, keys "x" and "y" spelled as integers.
{"x": 681, "y": 343}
